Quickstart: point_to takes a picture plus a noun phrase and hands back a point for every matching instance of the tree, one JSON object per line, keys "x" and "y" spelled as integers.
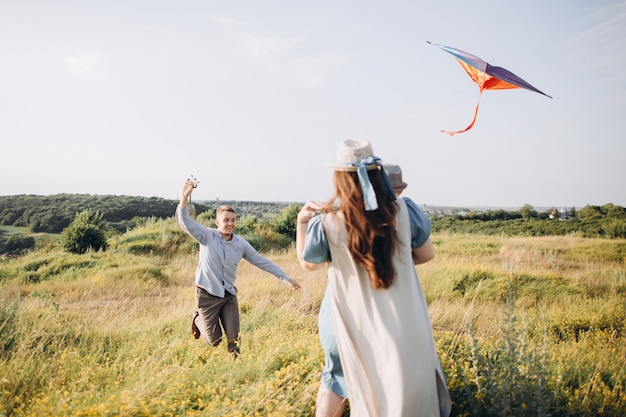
{"x": 207, "y": 217}
{"x": 246, "y": 225}
{"x": 590, "y": 213}
{"x": 614, "y": 212}
{"x": 614, "y": 228}
{"x": 47, "y": 222}
{"x": 528, "y": 211}
{"x": 572, "y": 213}
{"x": 87, "y": 231}
{"x": 285, "y": 222}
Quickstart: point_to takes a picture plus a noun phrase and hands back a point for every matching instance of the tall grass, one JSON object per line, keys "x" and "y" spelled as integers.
{"x": 524, "y": 326}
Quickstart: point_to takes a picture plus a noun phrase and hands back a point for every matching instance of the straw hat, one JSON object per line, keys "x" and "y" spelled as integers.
{"x": 357, "y": 155}
{"x": 354, "y": 152}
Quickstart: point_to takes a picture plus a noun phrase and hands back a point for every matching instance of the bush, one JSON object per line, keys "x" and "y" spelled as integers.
{"x": 19, "y": 242}
{"x": 285, "y": 222}
{"x": 87, "y": 231}
{"x": 614, "y": 228}
{"x": 470, "y": 281}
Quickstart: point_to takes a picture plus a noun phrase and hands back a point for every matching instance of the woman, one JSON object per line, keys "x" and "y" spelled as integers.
{"x": 371, "y": 242}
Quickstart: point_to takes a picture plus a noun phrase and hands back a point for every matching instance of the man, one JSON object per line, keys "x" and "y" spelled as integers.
{"x": 220, "y": 253}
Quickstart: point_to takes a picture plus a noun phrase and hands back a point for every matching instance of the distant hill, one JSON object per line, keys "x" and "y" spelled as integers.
{"x": 262, "y": 210}
{"x": 52, "y": 213}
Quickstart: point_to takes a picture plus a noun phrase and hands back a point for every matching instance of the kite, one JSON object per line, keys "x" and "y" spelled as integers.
{"x": 487, "y": 77}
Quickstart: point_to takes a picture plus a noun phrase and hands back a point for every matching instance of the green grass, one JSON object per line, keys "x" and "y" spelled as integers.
{"x": 524, "y": 326}
{"x": 12, "y": 230}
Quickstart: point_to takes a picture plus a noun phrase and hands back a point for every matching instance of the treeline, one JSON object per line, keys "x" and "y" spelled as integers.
{"x": 272, "y": 224}
{"x": 259, "y": 210}
{"x": 267, "y": 225}
{"x": 607, "y": 221}
{"x": 52, "y": 214}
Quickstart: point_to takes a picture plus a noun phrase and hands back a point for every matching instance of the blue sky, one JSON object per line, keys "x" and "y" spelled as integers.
{"x": 253, "y": 97}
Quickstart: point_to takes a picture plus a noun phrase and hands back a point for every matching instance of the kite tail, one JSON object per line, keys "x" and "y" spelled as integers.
{"x": 471, "y": 124}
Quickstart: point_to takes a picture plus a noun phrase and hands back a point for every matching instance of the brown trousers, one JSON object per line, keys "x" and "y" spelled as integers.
{"x": 215, "y": 313}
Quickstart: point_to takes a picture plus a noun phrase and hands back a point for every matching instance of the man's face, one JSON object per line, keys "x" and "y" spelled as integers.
{"x": 225, "y": 222}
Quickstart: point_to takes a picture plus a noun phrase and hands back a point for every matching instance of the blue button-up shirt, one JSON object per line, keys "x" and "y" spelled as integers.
{"x": 218, "y": 258}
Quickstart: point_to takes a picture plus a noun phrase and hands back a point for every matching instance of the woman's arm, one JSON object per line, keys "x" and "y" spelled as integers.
{"x": 424, "y": 253}
{"x": 302, "y": 222}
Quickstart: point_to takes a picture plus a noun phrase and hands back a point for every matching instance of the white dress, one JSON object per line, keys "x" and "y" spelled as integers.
{"x": 384, "y": 336}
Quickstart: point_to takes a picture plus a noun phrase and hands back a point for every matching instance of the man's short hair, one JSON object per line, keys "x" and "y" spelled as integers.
{"x": 224, "y": 208}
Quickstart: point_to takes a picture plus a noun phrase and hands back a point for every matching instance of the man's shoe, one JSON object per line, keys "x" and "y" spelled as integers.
{"x": 194, "y": 329}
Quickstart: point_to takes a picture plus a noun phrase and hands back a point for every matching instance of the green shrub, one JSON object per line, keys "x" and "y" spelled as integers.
{"x": 20, "y": 242}
{"x": 503, "y": 376}
{"x": 610, "y": 319}
{"x": 285, "y": 222}
{"x": 471, "y": 280}
{"x": 87, "y": 231}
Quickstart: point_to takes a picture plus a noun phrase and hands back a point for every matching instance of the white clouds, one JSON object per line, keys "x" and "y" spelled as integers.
{"x": 85, "y": 64}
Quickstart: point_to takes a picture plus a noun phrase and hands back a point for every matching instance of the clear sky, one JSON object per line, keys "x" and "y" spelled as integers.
{"x": 129, "y": 97}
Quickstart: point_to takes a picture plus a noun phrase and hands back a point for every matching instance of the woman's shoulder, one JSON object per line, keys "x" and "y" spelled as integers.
{"x": 333, "y": 225}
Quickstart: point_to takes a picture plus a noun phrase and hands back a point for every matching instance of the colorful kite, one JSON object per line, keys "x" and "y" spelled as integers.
{"x": 486, "y": 76}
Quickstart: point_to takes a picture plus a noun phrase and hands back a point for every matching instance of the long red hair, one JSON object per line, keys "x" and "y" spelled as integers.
{"x": 371, "y": 234}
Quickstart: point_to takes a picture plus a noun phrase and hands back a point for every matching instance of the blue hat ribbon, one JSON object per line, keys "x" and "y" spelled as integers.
{"x": 369, "y": 195}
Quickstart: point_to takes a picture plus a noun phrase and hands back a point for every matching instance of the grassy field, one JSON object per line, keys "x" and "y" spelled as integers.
{"x": 524, "y": 327}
